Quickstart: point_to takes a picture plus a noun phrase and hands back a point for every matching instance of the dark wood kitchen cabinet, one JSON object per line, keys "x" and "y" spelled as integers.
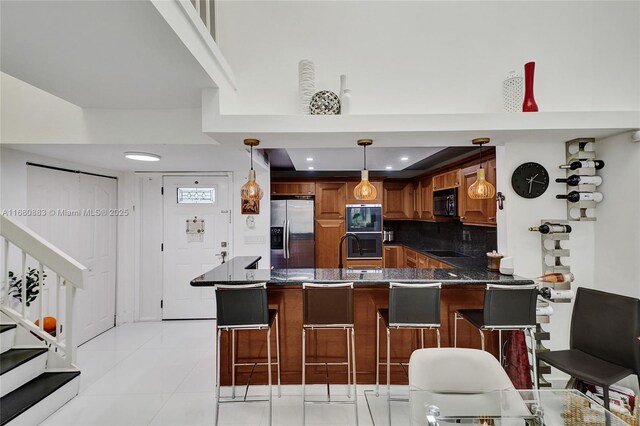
{"x": 410, "y": 258}
{"x": 398, "y": 200}
{"x": 330, "y": 224}
{"x": 446, "y": 180}
{"x": 426, "y": 199}
{"x": 328, "y": 234}
{"x": 330, "y": 200}
{"x": 477, "y": 212}
{"x": 293, "y": 188}
{"x": 393, "y": 257}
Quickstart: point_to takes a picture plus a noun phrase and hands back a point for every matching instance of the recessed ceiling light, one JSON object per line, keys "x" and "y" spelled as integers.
{"x": 142, "y": 156}
{"x": 309, "y": 158}
{"x": 310, "y": 167}
{"x": 404, "y": 158}
{"x": 389, "y": 167}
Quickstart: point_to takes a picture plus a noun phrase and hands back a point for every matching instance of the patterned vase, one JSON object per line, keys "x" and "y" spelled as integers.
{"x": 529, "y": 104}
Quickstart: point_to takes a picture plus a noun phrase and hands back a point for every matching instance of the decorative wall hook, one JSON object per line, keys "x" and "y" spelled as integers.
{"x": 500, "y": 200}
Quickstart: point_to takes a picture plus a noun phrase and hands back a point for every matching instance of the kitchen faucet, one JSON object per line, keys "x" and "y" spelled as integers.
{"x": 344, "y": 237}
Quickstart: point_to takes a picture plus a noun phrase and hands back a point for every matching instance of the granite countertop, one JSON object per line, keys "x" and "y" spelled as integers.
{"x": 235, "y": 272}
{"x": 467, "y": 262}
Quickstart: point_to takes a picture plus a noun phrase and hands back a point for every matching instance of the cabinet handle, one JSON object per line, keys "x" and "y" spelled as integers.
{"x": 492, "y": 218}
{"x": 463, "y": 217}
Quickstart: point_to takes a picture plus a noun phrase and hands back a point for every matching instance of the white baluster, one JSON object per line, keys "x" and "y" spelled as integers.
{"x": 41, "y": 294}
{"x": 24, "y": 285}
{"x": 58, "y": 319}
{"x": 5, "y": 268}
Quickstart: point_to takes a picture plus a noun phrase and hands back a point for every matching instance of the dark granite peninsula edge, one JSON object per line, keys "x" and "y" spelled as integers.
{"x": 462, "y": 289}
{"x": 236, "y": 271}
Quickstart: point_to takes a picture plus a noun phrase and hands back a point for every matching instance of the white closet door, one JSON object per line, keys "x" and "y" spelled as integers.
{"x": 81, "y": 229}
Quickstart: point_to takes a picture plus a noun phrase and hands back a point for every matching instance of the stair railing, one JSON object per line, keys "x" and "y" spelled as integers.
{"x": 69, "y": 276}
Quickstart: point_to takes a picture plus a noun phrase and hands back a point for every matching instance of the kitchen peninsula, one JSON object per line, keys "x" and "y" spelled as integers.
{"x": 461, "y": 288}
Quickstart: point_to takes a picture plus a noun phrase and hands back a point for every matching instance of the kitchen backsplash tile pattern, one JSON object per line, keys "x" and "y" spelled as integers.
{"x": 473, "y": 241}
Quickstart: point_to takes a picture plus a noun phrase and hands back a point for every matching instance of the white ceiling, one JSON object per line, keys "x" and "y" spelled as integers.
{"x": 378, "y": 158}
{"x": 99, "y": 54}
{"x": 181, "y": 158}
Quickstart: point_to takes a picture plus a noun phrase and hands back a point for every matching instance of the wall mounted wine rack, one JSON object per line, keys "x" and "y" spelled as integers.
{"x": 581, "y": 149}
{"x": 553, "y": 250}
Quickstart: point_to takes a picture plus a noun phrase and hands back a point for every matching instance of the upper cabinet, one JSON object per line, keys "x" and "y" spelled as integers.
{"x": 426, "y": 199}
{"x": 352, "y": 200}
{"x": 477, "y": 212}
{"x": 398, "y": 200}
{"x": 450, "y": 179}
{"x": 293, "y": 188}
{"x": 330, "y": 200}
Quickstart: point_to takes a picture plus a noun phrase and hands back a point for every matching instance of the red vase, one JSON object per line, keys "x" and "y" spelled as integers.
{"x": 529, "y": 104}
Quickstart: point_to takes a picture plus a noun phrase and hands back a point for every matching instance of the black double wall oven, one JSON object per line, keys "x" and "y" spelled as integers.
{"x": 365, "y": 221}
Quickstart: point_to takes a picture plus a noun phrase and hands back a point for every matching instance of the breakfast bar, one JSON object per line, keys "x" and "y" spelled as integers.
{"x": 462, "y": 288}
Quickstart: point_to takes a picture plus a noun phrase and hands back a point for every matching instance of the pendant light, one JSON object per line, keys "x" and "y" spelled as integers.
{"x": 251, "y": 191}
{"x": 481, "y": 189}
{"x": 364, "y": 190}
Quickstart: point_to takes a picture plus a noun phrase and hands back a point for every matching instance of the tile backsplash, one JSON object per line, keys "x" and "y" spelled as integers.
{"x": 473, "y": 241}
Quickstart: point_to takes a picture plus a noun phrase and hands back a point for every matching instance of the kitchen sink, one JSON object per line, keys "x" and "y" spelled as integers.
{"x": 445, "y": 253}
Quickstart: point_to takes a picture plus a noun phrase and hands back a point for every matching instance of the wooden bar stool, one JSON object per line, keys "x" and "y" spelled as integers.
{"x": 329, "y": 307}
{"x": 506, "y": 307}
{"x": 412, "y": 307}
{"x": 240, "y": 308}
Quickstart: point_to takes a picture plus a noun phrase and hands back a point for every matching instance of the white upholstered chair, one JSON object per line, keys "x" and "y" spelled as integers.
{"x": 461, "y": 381}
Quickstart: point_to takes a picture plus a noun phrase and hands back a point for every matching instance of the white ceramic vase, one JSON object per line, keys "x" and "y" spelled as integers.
{"x": 306, "y": 84}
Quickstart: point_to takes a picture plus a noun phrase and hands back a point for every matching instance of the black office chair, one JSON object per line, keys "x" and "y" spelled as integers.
{"x": 413, "y": 307}
{"x": 604, "y": 345}
{"x": 245, "y": 307}
{"x": 506, "y": 307}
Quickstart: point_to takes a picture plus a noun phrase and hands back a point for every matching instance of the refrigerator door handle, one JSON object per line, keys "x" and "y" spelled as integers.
{"x": 286, "y": 241}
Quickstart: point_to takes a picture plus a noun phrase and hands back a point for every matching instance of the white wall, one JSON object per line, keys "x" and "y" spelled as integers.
{"x": 13, "y": 195}
{"x": 31, "y": 115}
{"x": 150, "y": 206}
{"x": 617, "y": 231}
{"x": 524, "y": 246}
{"x": 434, "y": 56}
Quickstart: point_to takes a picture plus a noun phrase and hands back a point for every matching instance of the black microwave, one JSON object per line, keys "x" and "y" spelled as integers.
{"x": 445, "y": 202}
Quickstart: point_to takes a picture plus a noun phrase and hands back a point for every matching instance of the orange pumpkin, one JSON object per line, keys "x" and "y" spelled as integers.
{"x": 49, "y": 325}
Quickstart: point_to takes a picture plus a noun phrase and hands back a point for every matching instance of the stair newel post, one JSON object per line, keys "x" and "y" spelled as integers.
{"x": 41, "y": 294}
{"x": 23, "y": 307}
{"x": 69, "y": 292}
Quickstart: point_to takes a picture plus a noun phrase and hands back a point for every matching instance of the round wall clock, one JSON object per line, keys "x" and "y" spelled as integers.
{"x": 530, "y": 180}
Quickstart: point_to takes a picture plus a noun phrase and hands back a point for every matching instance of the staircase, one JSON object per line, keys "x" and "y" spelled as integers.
{"x": 37, "y": 371}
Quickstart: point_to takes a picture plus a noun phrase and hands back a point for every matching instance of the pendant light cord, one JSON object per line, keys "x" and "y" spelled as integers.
{"x": 252, "y": 156}
{"x": 481, "y": 155}
{"x": 365, "y": 157}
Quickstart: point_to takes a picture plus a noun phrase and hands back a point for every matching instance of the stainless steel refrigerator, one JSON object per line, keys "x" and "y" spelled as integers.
{"x": 292, "y": 234}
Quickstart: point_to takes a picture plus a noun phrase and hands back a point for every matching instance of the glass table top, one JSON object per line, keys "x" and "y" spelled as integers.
{"x": 543, "y": 407}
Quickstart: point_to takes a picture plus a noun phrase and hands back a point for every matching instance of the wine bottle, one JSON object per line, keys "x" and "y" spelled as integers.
{"x": 556, "y": 277}
{"x": 551, "y": 228}
{"x": 544, "y": 310}
{"x": 551, "y": 294}
{"x": 575, "y": 180}
{"x": 597, "y": 164}
{"x": 575, "y": 196}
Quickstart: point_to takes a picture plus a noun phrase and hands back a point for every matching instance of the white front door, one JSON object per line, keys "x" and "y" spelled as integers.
{"x": 197, "y": 223}
{"x": 90, "y": 238}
